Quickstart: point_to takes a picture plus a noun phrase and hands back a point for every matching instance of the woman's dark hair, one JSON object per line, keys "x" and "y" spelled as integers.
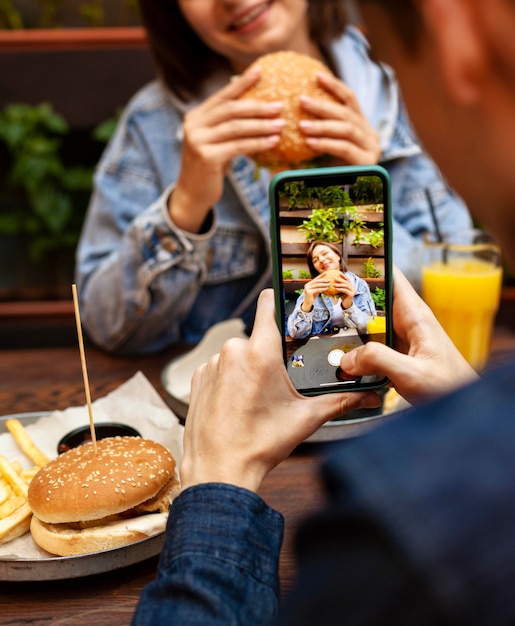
{"x": 184, "y": 62}
{"x": 334, "y": 248}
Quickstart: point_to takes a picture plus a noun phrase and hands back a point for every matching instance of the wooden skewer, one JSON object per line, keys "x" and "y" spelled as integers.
{"x": 84, "y": 368}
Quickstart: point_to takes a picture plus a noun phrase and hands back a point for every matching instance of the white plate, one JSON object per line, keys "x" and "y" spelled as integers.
{"x": 64, "y": 567}
{"x": 176, "y": 380}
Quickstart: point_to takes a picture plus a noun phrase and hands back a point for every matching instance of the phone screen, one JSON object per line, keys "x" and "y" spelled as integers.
{"x": 331, "y": 239}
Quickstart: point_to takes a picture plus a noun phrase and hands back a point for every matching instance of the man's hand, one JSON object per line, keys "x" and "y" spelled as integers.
{"x": 425, "y": 363}
{"x": 245, "y": 416}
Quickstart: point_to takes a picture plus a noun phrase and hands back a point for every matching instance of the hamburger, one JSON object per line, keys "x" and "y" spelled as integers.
{"x": 85, "y": 502}
{"x": 332, "y": 274}
{"x": 285, "y": 76}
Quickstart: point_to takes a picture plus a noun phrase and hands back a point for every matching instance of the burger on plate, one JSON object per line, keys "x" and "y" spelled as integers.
{"x": 285, "y": 76}
{"x": 84, "y": 502}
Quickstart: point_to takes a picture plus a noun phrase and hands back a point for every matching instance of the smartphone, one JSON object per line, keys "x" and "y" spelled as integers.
{"x": 332, "y": 270}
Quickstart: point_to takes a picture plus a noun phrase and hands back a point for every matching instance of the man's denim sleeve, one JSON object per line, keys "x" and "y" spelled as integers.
{"x": 219, "y": 564}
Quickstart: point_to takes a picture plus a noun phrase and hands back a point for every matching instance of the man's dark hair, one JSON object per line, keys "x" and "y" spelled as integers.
{"x": 184, "y": 62}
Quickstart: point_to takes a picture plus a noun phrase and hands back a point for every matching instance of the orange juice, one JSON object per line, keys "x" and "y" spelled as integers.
{"x": 376, "y": 324}
{"x": 464, "y": 295}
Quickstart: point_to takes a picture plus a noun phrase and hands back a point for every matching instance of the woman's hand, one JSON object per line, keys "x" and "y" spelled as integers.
{"x": 346, "y": 289}
{"x": 313, "y": 289}
{"x": 216, "y": 131}
{"x": 425, "y": 363}
{"x": 245, "y": 416}
{"x": 340, "y": 129}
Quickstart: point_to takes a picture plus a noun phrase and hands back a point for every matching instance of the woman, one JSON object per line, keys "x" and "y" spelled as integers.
{"x": 316, "y": 312}
{"x": 177, "y": 234}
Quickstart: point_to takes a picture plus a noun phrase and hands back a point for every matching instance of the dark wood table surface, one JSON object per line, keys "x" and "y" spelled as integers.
{"x": 46, "y": 379}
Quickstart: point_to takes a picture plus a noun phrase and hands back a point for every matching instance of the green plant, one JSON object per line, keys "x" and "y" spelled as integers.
{"x": 353, "y": 222}
{"x": 368, "y": 189}
{"x": 287, "y": 274}
{"x": 332, "y": 224}
{"x": 321, "y": 226}
{"x": 299, "y": 195}
{"x": 304, "y": 274}
{"x": 370, "y": 269}
{"x": 20, "y": 14}
{"x": 373, "y": 238}
{"x": 43, "y": 199}
{"x": 10, "y": 17}
{"x": 378, "y": 296}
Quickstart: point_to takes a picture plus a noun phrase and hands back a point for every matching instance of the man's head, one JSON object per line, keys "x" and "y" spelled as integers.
{"x": 455, "y": 61}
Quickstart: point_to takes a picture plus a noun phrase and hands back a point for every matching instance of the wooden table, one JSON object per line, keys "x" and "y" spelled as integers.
{"x": 50, "y": 378}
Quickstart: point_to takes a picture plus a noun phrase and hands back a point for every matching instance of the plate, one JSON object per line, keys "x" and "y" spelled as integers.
{"x": 177, "y": 374}
{"x": 176, "y": 380}
{"x": 65, "y": 567}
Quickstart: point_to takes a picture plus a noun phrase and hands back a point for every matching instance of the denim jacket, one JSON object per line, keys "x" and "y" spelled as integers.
{"x": 319, "y": 319}
{"x": 144, "y": 283}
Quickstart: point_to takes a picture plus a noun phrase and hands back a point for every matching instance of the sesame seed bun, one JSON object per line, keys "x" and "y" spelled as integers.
{"x": 63, "y": 540}
{"x": 285, "y": 76}
{"x": 332, "y": 275}
{"x": 82, "y": 501}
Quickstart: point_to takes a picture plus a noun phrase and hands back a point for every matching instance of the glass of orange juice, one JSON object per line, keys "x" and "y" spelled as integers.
{"x": 461, "y": 282}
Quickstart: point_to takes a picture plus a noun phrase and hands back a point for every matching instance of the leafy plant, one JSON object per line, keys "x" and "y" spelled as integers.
{"x": 10, "y": 16}
{"x": 287, "y": 274}
{"x": 321, "y": 226}
{"x": 20, "y": 14}
{"x": 44, "y": 199}
{"x": 373, "y": 238}
{"x": 378, "y": 296}
{"x": 304, "y": 274}
{"x": 370, "y": 269}
{"x": 368, "y": 189}
{"x": 332, "y": 224}
{"x": 299, "y": 195}
{"x": 353, "y": 222}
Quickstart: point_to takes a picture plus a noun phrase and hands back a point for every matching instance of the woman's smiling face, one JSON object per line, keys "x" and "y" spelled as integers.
{"x": 324, "y": 258}
{"x": 243, "y": 30}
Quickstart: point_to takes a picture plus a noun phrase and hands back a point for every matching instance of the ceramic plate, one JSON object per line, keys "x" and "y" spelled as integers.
{"x": 58, "y": 568}
{"x": 176, "y": 380}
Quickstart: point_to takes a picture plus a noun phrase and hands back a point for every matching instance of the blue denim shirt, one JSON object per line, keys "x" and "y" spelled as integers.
{"x": 220, "y": 561}
{"x": 144, "y": 283}
{"x": 320, "y": 319}
{"x": 438, "y": 483}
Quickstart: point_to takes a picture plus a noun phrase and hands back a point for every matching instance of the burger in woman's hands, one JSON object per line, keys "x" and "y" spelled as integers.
{"x": 285, "y": 76}
{"x": 332, "y": 275}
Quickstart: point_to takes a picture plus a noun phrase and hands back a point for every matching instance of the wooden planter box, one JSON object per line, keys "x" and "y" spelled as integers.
{"x": 370, "y": 217}
{"x": 374, "y": 283}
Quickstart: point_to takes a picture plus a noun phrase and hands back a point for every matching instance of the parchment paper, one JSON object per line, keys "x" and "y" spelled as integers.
{"x": 135, "y": 403}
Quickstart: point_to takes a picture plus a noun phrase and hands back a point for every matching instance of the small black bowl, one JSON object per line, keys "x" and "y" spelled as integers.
{"x": 82, "y": 435}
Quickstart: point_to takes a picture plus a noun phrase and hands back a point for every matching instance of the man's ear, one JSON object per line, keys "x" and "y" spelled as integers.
{"x": 454, "y": 31}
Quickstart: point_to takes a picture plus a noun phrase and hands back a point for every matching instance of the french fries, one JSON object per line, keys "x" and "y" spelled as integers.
{"x": 8, "y": 471}
{"x": 27, "y": 446}
{"x": 16, "y": 524}
{"x": 15, "y": 513}
{"x": 5, "y": 492}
